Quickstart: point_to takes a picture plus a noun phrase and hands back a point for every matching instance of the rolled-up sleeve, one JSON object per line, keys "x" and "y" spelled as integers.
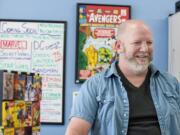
{"x": 85, "y": 106}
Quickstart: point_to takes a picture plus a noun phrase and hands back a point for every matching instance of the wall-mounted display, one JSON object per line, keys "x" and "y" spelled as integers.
{"x": 20, "y": 115}
{"x": 96, "y": 34}
{"x": 34, "y": 46}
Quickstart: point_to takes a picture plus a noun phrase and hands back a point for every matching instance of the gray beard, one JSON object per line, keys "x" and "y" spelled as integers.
{"x": 137, "y": 68}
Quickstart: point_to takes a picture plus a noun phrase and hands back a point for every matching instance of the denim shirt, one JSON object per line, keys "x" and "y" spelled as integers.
{"x": 103, "y": 102}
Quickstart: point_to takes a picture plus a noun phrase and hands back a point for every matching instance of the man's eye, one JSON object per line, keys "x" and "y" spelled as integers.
{"x": 149, "y": 42}
{"x": 137, "y": 43}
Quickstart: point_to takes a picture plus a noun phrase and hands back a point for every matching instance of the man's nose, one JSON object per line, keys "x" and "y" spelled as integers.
{"x": 144, "y": 47}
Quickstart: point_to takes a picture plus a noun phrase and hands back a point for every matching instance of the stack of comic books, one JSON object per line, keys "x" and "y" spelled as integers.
{"x": 20, "y": 95}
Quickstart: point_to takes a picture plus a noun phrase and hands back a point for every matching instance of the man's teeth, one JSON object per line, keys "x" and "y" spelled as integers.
{"x": 141, "y": 56}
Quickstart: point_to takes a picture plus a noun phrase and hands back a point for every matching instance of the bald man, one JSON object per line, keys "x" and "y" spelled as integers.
{"x": 131, "y": 97}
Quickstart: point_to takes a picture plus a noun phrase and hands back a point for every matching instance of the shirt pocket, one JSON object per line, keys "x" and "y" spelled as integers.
{"x": 172, "y": 100}
{"x": 172, "y": 117}
{"x": 105, "y": 110}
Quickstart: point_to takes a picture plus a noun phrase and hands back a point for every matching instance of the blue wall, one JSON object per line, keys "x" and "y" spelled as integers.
{"x": 153, "y": 12}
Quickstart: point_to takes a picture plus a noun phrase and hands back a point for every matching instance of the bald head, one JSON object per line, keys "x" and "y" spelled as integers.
{"x": 131, "y": 25}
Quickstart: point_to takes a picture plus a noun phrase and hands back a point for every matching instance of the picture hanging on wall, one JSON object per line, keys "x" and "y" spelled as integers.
{"x": 37, "y": 46}
{"x": 96, "y": 35}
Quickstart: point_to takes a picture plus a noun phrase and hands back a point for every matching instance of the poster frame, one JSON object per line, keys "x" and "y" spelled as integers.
{"x": 79, "y": 54}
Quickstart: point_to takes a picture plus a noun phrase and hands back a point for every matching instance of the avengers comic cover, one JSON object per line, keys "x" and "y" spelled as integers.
{"x": 96, "y": 37}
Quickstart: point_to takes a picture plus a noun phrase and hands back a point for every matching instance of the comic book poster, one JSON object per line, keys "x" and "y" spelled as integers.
{"x": 96, "y": 35}
{"x": 36, "y": 130}
{"x": 8, "y": 114}
{"x": 28, "y": 114}
{"x": 8, "y": 131}
{"x": 19, "y": 86}
{"x": 19, "y": 131}
{"x": 8, "y": 86}
{"x": 36, "y": 113}
{"x": 37, "y": 88}
{"x": 19, "y": 114}
{"x": 29, "y": 94}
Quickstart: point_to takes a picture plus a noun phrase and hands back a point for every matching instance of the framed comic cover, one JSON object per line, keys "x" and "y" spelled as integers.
{"x": 96, "y": 34}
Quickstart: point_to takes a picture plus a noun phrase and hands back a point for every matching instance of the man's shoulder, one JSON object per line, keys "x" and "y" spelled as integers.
{"x": 163, "y": 77}
{"x": 100, "y": 78}
{"x": 104, "y": 73}
{"x": 168, "y": 81}
{"x": 161, "y": 73}
{"x": 167, "y": 76}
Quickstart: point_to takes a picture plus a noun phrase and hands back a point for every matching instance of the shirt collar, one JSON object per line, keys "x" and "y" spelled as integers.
{"x": 154, "y": 70}
{"x": 113, "y": 71}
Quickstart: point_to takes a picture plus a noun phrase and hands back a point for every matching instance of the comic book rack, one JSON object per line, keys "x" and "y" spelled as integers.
{"x": 20, "y": 95}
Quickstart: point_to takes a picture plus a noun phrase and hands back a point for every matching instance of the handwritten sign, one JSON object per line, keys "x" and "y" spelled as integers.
{"x": 37, "y": 47}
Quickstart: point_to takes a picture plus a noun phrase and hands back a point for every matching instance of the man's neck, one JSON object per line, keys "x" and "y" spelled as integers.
{"x": 134, "y": 78}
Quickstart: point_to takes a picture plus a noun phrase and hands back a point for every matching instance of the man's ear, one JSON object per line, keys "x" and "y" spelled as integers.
{"x": 118, "y": 46}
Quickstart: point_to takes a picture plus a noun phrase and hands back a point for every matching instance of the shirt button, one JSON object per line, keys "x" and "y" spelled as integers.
{"x": 123, "y": 131}
{"x": 125, "y": 115}
{"x": 124, "y": 100}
